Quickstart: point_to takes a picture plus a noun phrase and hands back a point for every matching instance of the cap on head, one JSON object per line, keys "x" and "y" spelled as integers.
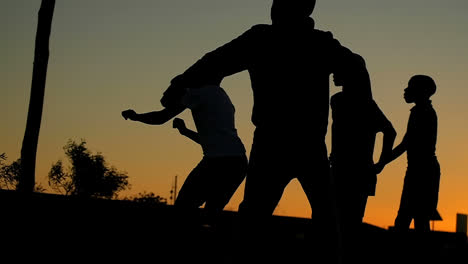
{"x": 424, "y": 84}
{"x": 291, "y": 9}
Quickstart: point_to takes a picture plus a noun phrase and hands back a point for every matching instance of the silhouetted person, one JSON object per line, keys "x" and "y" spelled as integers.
{"x": 223, "y": 167}
{"x": 354, "y": 129}
{"x": 289, "y": 63}
{"x": 421, "y": 185}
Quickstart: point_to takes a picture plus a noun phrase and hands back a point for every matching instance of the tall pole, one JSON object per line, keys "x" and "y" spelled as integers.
{"x": 36, "y": 101}
{"x": 175, "y": 189}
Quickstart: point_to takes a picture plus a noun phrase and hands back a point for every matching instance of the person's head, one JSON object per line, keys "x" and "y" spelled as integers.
{"x": 348, "y": 73}
{"x": 174, "y": 92}
{"x": 338, "y": 78}
{"x": 420, "y": 88}
{"x": 290, "y": 11}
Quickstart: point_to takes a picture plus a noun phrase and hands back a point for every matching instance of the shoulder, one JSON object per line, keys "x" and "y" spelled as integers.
{"x": 331, "y": 43}
{"x": 424, "y": 110}
{"x": 432, "y": 110}
{"x": 374, "y": 106}
{"x": 324, "y": 34}
{"x": 326, "y": 37}
{"x": 255, "y": 33}
{"x": 336, "y": 99}
{"x": 336, "y": 96}
{"x": 432, "y": 114}
{"x": 379, "y": 115}
{"x": 259, "y": 29}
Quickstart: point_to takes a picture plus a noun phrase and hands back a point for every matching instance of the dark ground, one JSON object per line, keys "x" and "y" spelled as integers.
{"x": 63, "y": 229}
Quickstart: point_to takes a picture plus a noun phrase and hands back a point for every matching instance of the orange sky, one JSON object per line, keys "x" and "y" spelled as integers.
{"x": 111, "y": 55}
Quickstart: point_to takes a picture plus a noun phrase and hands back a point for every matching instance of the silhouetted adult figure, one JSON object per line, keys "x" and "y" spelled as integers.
{"x": 289, "y": 63}
{"x": 420, "y": 193}
{"x": 353, "y": 136}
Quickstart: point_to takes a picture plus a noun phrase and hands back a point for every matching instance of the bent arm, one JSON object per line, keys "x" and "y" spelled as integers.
{"x": 225, "y": 60}
{"x": 398, "y": 151}
{"x": 388, "y": 155}
{"x": 179, "y": 124}
{"x": 230, "y": 58}
{"x": 190, "y": 134}
{"x": 155, "y": 117}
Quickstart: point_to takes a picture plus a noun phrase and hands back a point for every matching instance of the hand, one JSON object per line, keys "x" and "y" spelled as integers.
{"x": 178, "y": 123}
{"x": 129, "y": 114}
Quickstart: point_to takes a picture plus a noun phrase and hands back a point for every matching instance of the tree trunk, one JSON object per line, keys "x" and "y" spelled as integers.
{"x": 36, "y": 100}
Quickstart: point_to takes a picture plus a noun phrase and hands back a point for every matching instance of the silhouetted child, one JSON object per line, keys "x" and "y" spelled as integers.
{"x": 223, "y": 167}
{"x": 421, "y": 185}
{"x": 354, "y": 129}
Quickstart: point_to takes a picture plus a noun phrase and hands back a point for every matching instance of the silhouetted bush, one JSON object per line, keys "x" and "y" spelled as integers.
{"x": 88, "y": 176}
{"x": 10, "y": 175}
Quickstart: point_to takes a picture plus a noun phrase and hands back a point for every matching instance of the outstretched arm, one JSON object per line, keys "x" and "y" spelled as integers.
{"x": 153, "y": 118}
{"x": 183, "y": 130}
{"x": 394, "y": 154}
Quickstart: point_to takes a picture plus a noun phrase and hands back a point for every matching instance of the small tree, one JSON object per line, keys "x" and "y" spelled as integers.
{"x": 10, "y": 175}
{"x": 88, "y": 176}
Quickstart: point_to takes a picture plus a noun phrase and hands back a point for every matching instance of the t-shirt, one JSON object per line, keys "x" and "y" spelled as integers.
{"x": 354, "y": 130}
{"x": 213, "y": 115}
{"x": 421, "y": 134}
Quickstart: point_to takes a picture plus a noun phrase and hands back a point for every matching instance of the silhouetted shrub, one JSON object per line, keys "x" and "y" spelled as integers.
{"x": 88, "y": 176}
{"x": 10, "y": 175}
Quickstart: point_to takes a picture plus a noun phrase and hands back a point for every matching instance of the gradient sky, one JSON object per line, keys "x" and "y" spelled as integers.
{"x": 111, "y": 55}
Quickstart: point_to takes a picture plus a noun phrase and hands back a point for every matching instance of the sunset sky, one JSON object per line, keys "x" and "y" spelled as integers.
{"x": 110, "y": 55}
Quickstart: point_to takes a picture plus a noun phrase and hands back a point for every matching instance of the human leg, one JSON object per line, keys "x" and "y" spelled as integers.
{"x": 320, "y": 189}
{"x": 422, "y": 224}
{"x": 264, "y": 187}
{"x": 267, "y": 176}
{"x": 191, "y": 194}
{"x": 225, "y": 175}
{"x": 190, "y": 198}
{"x": 406, "y": 211}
